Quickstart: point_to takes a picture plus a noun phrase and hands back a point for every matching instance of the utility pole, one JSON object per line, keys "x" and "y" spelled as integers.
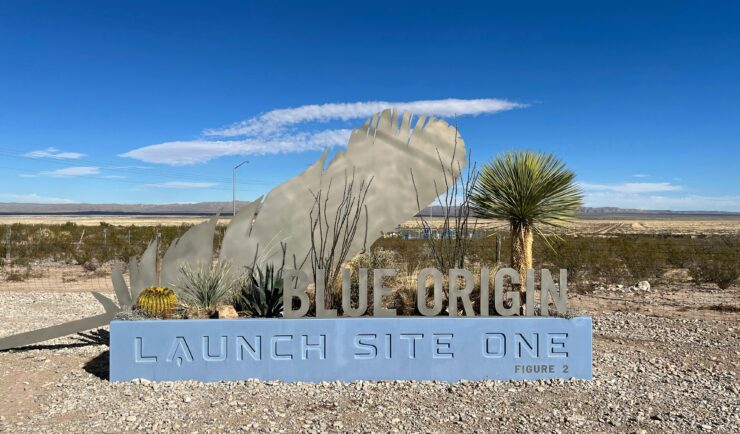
{"x": 233, "y": 184}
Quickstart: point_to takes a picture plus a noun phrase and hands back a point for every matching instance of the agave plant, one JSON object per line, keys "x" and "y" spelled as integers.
{"x": 260, "y": 293}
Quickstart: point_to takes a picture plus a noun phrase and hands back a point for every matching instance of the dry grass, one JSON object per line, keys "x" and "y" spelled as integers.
{"x": 683, "y": 225}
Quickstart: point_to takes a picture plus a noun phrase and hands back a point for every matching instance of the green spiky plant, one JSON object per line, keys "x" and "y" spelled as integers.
{"x": 529, "y": 190}
{"x": 157, "y": 301}
{"x": 260, "y": 293}
{"x": 203, "y": 287}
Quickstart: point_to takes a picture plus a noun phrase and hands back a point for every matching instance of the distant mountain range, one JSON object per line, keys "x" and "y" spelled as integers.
{"x": 202, "y": 208}
{"x": 209, "y": 208}
{"x": 438, "y": 211}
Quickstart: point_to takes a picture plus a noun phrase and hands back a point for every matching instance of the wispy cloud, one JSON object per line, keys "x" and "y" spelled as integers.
{"x": 641, "y": 175}
{"x": 632, "y": 187}
{"x": 54, "y": 153}
{"x": 199, "y": 151}
{"x": 275, "y": 132}
{"x": 72, "y": 171}
{"x": 182, "y": 184}
{"x": 663, "y": 202}
{"x": 31, "y": 198}
{"x": 277, "y": 120}
{"x": 654, "y": 196}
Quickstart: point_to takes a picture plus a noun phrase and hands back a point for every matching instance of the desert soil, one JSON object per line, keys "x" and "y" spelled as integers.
{"x": 665, "y": 360}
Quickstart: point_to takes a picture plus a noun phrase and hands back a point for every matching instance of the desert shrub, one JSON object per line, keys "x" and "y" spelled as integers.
{"x": 204, "y": 287}
{"x": 643, "y": 257}
{"x": 590, "y": 259}
{"x": 404, "y": 301}
{"x": 375, "y": 259}
{"x": 70, "y": 242}
{"x": 16, "y": 276}
{"x": 571, "y": 254}
{"x": 720, "y": 272}
{"x": 413, "y": 252}
{"x": 404, "y": 291}
{"x": 718, "y": 263}
{"x": 483, "y": 250}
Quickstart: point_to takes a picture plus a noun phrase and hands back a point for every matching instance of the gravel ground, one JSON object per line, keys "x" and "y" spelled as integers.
{"x": 673, "y": 370}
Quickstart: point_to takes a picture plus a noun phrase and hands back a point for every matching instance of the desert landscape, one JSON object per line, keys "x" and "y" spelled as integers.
{"x": 675, "y": 336}
{"x": 324, "y": 217}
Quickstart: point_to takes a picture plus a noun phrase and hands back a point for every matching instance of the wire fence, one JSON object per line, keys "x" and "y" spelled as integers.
{"x": 69, "y": 257}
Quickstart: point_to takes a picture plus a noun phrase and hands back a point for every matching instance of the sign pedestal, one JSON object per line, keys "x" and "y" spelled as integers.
{"x": 349, "y": 349}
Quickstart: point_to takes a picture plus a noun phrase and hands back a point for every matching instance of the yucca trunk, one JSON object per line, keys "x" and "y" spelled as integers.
{"x": 521, "y": 254}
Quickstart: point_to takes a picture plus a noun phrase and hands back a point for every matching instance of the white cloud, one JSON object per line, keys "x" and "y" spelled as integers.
{"x": 54, "y": 153}
{"x": 632, "y": 187}
{"x": 276, "y": 120}
{"x": 654, "y": 196}
{"x": 31, "y": 198}
{"x": 662, "y": 202}
{"x": 641, "y": 175}
{"x": 72, "y": 171}
{"x": 183, "y": 153}
{"x": 275, "y": 132}
{"x": 182, "y": 184}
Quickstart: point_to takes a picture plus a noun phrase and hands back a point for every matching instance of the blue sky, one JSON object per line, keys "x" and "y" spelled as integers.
{"x": 154, "y": 102}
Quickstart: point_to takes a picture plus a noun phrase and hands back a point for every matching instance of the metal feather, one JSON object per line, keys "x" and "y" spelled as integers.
{"x": 403, "y": 160}
{"x": 194, "y": 247}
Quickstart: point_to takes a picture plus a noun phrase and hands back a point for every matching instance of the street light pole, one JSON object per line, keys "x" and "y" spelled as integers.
{"x": 233, "y": 183}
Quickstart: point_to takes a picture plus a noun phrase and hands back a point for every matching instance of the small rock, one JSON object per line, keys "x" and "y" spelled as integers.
{"x": 91, "y": 265}
{"x": 643, "y": 285}
{"x": 226, "y": 312}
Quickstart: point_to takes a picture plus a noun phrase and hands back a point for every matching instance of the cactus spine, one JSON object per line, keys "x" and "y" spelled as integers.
{"x": 157, "y": 301}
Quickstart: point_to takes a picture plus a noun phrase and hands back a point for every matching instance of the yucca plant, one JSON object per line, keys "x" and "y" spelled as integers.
{"x": 529, "y": 190}
{"x": 260, "y": 293}
{"x": 203, "y": 287}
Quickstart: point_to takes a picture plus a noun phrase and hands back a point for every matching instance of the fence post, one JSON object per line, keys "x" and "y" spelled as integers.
{"x": 8, "y": 243}
{"x": 79, "y": 243}
{"x": 498, "y": 248}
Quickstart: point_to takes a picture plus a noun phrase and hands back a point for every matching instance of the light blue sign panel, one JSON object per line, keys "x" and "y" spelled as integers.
{"x": 347, "y": 349}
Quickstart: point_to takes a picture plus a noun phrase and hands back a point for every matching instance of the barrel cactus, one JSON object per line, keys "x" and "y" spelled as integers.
{"x": 157, "y": 301}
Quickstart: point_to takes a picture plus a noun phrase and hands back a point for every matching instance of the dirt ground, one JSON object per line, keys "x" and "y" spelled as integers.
{"x": 664, "y": 360}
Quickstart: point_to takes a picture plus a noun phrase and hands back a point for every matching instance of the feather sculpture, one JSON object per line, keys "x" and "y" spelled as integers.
{"x": 409, "y": 160}
{"x": 402, "y": 160}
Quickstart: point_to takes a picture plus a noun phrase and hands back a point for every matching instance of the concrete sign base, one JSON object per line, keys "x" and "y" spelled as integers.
{"x": 348, "y": 349}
